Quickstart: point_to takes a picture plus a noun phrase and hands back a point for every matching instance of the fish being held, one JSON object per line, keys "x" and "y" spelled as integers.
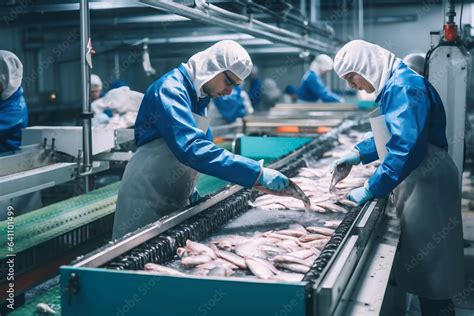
{"x": 292, "y": 190}
{"x": 339, "y": 173}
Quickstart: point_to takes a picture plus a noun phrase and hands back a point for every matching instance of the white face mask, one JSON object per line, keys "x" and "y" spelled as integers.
{"x": 371, "y": 61}
{"x": 11, "y": 73}
{"x": 224, "y": 55}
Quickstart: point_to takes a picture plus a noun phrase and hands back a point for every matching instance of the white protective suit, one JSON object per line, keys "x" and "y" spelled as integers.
{"x": 155, "y": 183}
{"x": 430, "y": 257}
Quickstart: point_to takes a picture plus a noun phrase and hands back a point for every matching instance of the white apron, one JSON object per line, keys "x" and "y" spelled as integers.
{"x": 154, "y": 184}
{"x": 430, "y": 258}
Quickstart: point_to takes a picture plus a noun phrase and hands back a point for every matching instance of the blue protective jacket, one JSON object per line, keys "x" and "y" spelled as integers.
{"x": 255, "y": 93}
{"x": 415, "y": 117}
{"x": 231, "y": 106}
{"x": 13, "y": 117}
{"x": 166, "y": 112}
{"x": 312, "y": 89}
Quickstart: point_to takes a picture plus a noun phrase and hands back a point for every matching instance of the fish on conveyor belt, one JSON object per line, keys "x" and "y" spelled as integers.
{"x": 320, "y": 230}
{"x": 299, "y": 268}
{"x": 258, "y": 269}
{"x": 288, "y": 259}
{"x": 339, "y": 173}
{"x": 192, "y": 261}
{"x": 292, "y": 190}
{"x": 332, "y": 207}
{"x": 153, "y": 267}
{"x": 44, "y": 309}
{"x": 220, "y": 271}
{"x": 217, "y": 262}
{"x": 197, "y": 248}
{"x": 230, "y": 257}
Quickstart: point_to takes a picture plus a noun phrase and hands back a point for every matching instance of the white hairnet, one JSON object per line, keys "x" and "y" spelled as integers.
{"x": 416, "y": 62}
{"x": 224, "y": 55}
{"x": 96, "y": 81}
{"x": 270, "y": 88}
{"x": 321, "y": 64}
{"x": 371, "y": 61}
{"x": 11, "y": 73}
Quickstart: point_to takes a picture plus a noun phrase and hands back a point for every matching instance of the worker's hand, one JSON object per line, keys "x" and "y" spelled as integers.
{"x": 352, "y": 159}
{"x": 360, "y": 195}
{"x": 273, "y": 180}
{"x": 195, "y": 196}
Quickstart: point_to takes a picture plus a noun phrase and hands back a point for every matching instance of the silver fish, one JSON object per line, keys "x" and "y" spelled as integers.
{"x": 288, "y": 259}
{"x": 339, "y": 173}
{"x": 231, "y": 257}
{"x": 153, "y": 267}
{"x": 311, "y": 237}
{"x": 258, "y": 269}
{"x": 197, "y": 248}
{"x": 332, "y": 207}
{"x": 44, "y": 309}
{"x": 294, "y": 267}
{"x": 320, "y": 230}
{"x": 302, "y": 254}
{"x": 292, "y": 190}
{"x": 195, "y": 260}
{"x": 221, "y": 271}
{"x": 268, "y": 264}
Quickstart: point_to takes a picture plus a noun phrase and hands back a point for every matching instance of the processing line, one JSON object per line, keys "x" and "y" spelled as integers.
{"x": 360, "y": 252}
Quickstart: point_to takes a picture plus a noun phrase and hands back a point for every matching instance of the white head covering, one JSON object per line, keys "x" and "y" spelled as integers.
{"x": 11, "y": 73}
{"x": 96, "y": 81}
{"x": 321, "y": 64}
{"x": 416, "y": 62}
{"x": 222, "y": 56}
{"x": 371, "y": 61}
{"x": 270, "y": 88}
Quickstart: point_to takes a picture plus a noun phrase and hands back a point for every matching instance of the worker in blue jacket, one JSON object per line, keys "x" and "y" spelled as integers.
{"x": 312, "y": 87}
{"x": 229, "y": 108}
{"x": 13, "y": 109}
{"x": 174, "y": 141}
{"x": 409, "y": 140}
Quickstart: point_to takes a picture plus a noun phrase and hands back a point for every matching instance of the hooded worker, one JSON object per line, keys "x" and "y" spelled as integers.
{"x": 409, "y": 139}
{"x": 174, "y": 141}
{"x": 13, "y": 109}
{"x": 312, "y": 87}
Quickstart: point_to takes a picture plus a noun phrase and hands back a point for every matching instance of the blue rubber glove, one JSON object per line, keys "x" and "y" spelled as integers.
{"x": 273, "y": 180}
{"x": 360, "y": 195}
{"x": 352, "y": 159}
{"x": 195, "y": 196}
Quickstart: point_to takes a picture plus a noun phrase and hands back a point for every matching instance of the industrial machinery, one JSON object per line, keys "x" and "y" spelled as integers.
{"x": 447, "y": 66}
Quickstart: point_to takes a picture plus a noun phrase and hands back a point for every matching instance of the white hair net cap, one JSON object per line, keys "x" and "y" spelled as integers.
{"x": 222, "y": 56}
{"x": 96, "y": 81}
{"x": 11, "y": 73}
{"x": 416, "y": 62}
{"x": 321, "y": 64}
{"x": 371, "y": 61}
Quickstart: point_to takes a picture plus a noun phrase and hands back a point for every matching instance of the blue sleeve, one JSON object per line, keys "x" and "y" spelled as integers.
{"x": 367, "y": 150}
{"x": 13, "y": 117}
{"x": 406, "y": 116}
{"x": 192, "y": 147}
{"x": 323, "y": 92}
{"x": 255, "y": 92}
{"x": 230, "y": 107}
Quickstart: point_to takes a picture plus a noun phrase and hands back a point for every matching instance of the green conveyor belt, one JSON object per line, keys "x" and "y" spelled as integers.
{"x": 54, "y": 220}
{"x": 270, "y": 148}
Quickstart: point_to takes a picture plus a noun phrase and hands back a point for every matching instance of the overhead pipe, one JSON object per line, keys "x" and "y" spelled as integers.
{"x": 361, "y": 19}
{"x": 296, "y": 41}
{"x": 86, "y": 115}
